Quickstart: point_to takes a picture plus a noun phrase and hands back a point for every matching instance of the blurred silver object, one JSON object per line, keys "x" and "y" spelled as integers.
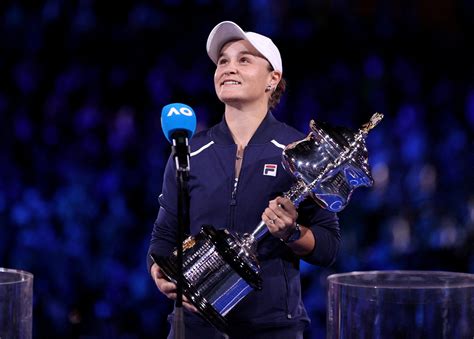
{"x": 220, "y": 267}
{"x": 330, "y": 163}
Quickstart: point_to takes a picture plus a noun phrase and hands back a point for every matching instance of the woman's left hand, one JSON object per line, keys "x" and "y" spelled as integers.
{"x": 280, "y": 217}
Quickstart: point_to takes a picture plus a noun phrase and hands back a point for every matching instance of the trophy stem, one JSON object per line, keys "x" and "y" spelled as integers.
{"x": 259, "y": 232}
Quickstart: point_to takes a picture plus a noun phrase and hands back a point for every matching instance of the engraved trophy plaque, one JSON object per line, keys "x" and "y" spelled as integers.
{"x": 220, "y": 267}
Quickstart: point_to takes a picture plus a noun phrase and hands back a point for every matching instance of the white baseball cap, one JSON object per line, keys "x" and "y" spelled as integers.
{"x": 228, "y": 30}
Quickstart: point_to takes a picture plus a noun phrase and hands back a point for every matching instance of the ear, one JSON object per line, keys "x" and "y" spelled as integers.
{"x": 275, "y": 79}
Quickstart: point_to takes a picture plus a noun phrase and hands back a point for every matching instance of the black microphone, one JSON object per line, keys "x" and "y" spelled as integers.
{"x": 178, "y": 122}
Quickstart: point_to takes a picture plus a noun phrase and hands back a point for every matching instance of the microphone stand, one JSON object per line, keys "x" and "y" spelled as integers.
{"x": 181, "y": 150}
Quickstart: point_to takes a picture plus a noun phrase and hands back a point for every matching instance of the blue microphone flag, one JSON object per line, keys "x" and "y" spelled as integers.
{"x": 177, "y": 117}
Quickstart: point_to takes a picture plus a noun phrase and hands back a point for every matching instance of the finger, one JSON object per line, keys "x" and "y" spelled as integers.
{"x": 264, "y": 217}
{"x": 284, "y": 203}
{"x": 273, "y": 205}
{"x": 190, "y": 307}
{"x": 274, "y": 211}
{"x": 280, "y": 209}
{"x": 287, "y": 206}
{"x": 269, "y": 222}
{"x": 166, "y": 286}
{"x": 277, "y": 212}
{"x": 171, "y": 296}
{"x": 273, "y": 222}
{"x": 282, "y": 221}
{"x": 280, "y": 224}
{"x": 269, "y": 217}
{"x": 156, "y": 272}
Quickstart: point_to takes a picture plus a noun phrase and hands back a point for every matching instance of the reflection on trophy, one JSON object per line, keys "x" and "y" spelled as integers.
{"x": 220, "y": 267}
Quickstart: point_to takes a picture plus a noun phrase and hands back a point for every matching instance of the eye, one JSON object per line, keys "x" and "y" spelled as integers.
{"x": 221, "y": 61}
{"x": 244, "y": 60}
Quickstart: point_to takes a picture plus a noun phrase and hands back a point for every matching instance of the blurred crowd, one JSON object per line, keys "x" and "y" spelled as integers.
{"x": 82, "y": 155}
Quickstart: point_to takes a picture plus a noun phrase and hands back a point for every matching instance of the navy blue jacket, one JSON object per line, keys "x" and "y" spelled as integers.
{"x": 213, "y": 202}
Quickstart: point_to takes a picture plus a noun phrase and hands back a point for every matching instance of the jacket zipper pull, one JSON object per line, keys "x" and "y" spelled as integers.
{"x": 233, "y": 200}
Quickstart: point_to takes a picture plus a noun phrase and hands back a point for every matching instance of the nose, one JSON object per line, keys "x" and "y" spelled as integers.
{"x": 229, "y": 68}
{"x": 229, "y": 71}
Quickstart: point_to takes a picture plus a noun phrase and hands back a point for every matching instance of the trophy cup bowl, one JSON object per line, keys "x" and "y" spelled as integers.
{"x": 220, "y": 267}
{"x": 345, "y": 153}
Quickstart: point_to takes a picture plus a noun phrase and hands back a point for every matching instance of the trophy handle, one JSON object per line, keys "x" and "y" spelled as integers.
{"x": 374, "y": 121}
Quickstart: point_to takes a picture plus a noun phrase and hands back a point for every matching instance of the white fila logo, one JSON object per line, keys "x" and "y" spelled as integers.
{"x": 270, "y": 170}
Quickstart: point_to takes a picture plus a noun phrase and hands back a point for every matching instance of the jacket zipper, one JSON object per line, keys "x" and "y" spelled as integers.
{"x": 233, "y": 203}
{"x": 288, "y": 314}
{"x": 233, "y": 198}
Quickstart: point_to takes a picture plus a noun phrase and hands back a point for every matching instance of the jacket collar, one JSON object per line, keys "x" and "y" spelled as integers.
{"x": 264, "y": 133}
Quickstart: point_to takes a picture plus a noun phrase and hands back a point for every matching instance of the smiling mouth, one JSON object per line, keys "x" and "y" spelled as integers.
{"x": 230, "y": 82}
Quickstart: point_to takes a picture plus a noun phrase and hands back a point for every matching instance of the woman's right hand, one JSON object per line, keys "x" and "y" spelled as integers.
{"x": 167, "y": 287}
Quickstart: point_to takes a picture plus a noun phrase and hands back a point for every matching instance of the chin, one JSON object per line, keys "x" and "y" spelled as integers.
{"x": 229, "y": 98}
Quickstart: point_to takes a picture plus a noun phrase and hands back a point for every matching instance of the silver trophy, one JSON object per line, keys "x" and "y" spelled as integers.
{"x": 220, "y": 267}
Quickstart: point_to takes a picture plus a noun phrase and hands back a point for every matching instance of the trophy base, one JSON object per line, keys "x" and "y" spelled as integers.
{"x": 218, "y": 272}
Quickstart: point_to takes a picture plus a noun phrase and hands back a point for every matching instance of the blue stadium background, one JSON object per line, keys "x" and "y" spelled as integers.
{"x": 82, "y": 84}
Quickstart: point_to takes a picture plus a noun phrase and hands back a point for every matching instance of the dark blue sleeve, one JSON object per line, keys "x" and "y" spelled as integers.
{"x": 163, "y": 236}
{"x": 325, "y": 227}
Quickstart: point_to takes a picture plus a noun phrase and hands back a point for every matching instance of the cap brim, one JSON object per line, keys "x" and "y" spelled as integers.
{"x": 222, "y": 33}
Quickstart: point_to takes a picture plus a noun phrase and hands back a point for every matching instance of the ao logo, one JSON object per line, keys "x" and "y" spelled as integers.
{"x": 182, "y": 111}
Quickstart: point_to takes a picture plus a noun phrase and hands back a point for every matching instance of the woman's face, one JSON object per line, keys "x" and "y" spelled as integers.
{"x": 242, "y": 74}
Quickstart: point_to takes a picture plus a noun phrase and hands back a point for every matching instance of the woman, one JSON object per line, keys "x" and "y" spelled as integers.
{"x": 237, "y": 180}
